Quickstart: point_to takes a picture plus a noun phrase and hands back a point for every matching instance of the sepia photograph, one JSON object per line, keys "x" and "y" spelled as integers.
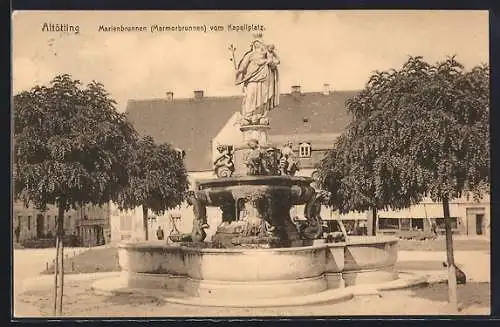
{"x": 283, "y": 163}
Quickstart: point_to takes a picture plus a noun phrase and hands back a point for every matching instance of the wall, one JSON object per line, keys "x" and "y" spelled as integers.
{"x": 309, "y": 163}
{"x": 429, "y": 211}
{"x": 72, "y": 219}
{"x": 230, "y": 134}
{"x": 28, "y": 226}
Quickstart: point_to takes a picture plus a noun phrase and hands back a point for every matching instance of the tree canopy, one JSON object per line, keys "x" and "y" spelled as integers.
{"x": 70, "y": 149}
{"x": 70, "y": 144}
{"x": 158, "y": 179}
{"x": 419, "y": 131}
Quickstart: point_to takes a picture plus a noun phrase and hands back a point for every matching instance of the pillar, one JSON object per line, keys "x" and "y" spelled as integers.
{"x": 372, "y": 222}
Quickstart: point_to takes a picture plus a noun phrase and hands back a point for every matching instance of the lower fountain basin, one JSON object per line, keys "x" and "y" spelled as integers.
{"x": 258, "y": 273}
{"x": 368, "y": 259}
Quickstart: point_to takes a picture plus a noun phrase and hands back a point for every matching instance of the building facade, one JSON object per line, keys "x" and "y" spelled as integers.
{"x": 469, "y": 217}
{"x": 89, "y": 224}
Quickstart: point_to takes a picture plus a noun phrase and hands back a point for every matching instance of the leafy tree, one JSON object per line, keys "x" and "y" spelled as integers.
{"x": 419, "y": 131}
{"x": 158, "y": 179}
{"x": 70, "y": 146}
{"x": 363, "y": 176}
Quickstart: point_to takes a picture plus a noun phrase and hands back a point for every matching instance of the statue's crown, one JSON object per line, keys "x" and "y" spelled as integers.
{"x": 257, "y": 35}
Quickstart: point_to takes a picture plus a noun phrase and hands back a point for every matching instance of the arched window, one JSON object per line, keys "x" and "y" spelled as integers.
{"x": 305, "y": 150}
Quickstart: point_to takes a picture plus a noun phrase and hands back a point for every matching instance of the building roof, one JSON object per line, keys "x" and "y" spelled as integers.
{"x": 192, "y": 123}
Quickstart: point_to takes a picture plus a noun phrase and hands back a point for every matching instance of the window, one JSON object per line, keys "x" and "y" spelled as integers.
{"x": 305, "y": 150}
{"x": 29, "y": 222}
{"x": 388, "y": 223}
{"x": 440, "y": 223}
{"x": 19, "y": 221}
{"x": 68, "y": 222}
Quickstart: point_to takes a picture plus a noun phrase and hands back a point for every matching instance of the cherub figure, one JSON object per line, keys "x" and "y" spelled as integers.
{"x": 288, "y": 161}
{"x": 223, "y": 164}
{"x": 254, "y": 159}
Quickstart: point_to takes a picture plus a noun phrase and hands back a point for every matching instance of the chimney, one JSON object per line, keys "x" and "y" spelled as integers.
{"x": 170, "y": 96}
{"x": 198, "y": 94}
{"x": 296, "y": 89}
{"x": 326, "y": 89}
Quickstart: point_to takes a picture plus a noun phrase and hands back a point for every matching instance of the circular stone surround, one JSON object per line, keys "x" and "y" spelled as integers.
{"x": 119, "y": 286}
{"x": 253, "y": 275}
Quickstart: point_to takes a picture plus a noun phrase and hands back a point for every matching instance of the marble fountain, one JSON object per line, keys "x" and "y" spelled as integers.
{"x": 258, "y": 256}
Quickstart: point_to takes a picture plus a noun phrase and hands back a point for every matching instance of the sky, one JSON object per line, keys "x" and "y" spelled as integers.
{"x": 341, "y": 48}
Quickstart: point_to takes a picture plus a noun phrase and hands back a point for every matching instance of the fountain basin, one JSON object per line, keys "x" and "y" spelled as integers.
{"x": 216, "y": 192}
{"x": 368, "y": 259}
{"x": 282, "y": 180}
{"x": 257, "y": 273}
{"x": 233, "y": 265}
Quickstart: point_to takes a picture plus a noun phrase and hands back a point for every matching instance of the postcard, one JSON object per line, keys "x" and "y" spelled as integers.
{"x": 250, "y": 163}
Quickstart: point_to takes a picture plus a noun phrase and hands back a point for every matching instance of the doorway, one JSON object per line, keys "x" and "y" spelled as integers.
{"x": 479, "y": 224}
{"x": 40, "y": 226}
{"x": 475, "y": 221}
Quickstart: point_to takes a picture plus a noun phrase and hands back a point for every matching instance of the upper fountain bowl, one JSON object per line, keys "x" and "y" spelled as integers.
{"x": 282, "y": 180}
{"x": 215, "y": 192}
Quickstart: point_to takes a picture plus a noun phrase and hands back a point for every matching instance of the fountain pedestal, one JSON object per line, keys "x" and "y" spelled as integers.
{"x": 258, "y": 133}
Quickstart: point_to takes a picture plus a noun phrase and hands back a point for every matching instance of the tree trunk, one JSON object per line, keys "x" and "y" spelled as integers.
{"x": 375, "y": 221}
{"x": 56, "y": 275}
{"x": 372, "y": 222}
{"x": 452, "y": 278}
{"x": 60, "y": 237}
{"x": 145, "y": 222}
